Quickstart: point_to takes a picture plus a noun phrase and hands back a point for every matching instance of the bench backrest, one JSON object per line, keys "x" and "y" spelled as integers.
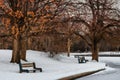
{"x": 78, "y": 56}
{"x": 27, "y": 65}
{"x": 23, "y": 65}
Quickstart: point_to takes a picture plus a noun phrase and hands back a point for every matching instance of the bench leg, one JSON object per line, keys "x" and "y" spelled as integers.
{"x": 34, "y": 70}
{"x": 41, "y": 70}
{"x": 79, "y": 60}
{"x": 38, "y": 69}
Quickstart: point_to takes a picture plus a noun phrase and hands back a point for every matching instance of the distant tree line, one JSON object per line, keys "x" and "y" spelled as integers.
{"x": 42, "y": 43}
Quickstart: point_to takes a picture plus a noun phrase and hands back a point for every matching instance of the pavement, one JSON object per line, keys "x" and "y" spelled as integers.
{"x": 72, "y": 77}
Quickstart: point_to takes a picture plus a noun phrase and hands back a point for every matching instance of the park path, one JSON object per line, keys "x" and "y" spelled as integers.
{"x": 105, "y": 75}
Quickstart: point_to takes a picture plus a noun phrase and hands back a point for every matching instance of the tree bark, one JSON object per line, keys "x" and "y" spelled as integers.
{"x": 19, "y": 50}
{"x": 16, "y": 52}
{"x": 29, "y": 43}
{"x": 23, "y": 49}
{"x": 68, "y": 46}
{"x": 95, "y": 50}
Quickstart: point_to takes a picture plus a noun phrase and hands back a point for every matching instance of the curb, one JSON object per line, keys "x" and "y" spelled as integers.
{"x": 72, "y": 77}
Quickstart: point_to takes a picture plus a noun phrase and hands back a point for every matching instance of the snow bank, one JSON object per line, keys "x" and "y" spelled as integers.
{"x": 53, "y": 68}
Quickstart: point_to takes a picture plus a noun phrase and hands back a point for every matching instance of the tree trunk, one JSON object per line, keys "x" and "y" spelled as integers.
{"x": 23, "y": 49}
{"x": 68, "y": 47}
{"x": 29, "y": 43}
{"x": 19, "y": 50}
{"x": 95, "y": 50}
{"x": 16, "y": 52}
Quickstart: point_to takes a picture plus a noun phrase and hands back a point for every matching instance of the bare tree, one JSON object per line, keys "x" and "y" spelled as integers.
{"x": 93, "y": 19}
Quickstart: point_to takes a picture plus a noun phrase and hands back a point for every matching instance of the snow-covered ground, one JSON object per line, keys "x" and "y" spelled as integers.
{"x": 53, "y": 68}
{"x": 112, "y": 73}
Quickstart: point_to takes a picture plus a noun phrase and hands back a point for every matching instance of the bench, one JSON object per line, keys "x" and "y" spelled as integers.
{"x": 28, "y": 67}
{"x": 81, "y": 59}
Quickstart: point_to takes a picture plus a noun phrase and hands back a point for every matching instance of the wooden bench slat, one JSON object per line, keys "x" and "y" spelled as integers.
{"x": 27, "y": 65}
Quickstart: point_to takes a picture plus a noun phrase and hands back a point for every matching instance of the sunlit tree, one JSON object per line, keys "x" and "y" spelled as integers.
{"x": 22, "y": 18}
